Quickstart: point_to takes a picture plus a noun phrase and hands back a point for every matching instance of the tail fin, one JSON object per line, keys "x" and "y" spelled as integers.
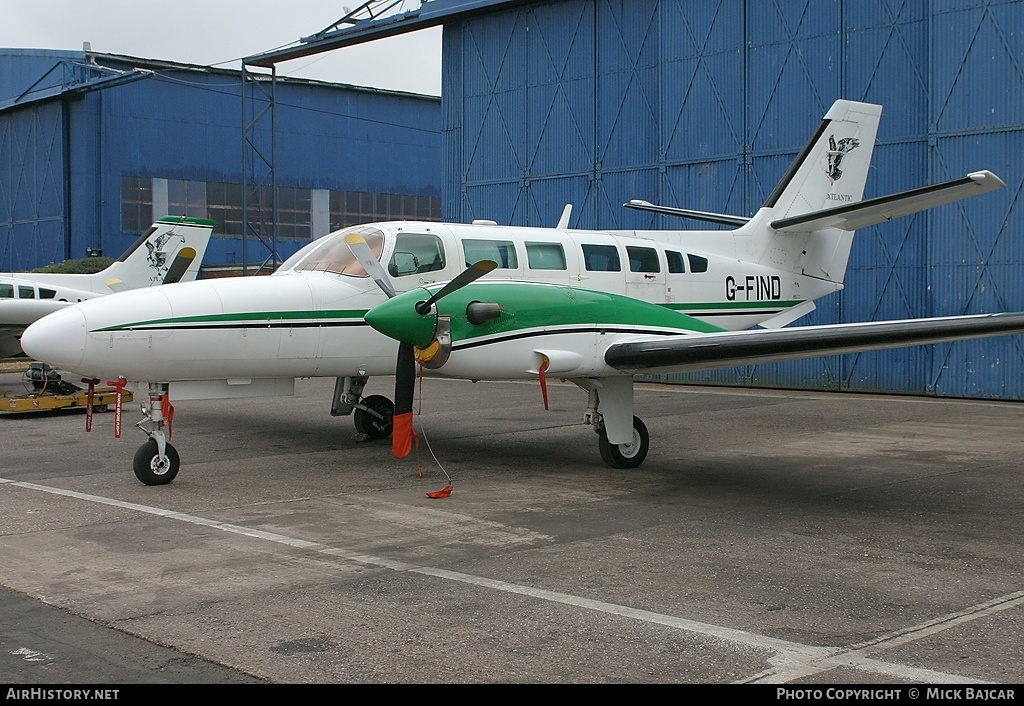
{"x": 807, "y": 222}
{"x": 832, "y": 168}
{"x": 170, "y": 251}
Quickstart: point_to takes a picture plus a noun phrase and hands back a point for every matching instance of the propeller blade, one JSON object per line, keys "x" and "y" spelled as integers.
{"x": 405, "y": 391}
{"x": 361, "y": 249}
{"x": 470, "y": 274}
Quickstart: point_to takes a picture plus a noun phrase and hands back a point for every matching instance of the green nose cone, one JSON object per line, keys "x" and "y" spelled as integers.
{"x": 397, "y": 318}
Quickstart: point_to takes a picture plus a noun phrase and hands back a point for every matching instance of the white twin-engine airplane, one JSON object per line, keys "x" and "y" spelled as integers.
{"x": 170, "y": 251}
{"x": 591, "y": 307}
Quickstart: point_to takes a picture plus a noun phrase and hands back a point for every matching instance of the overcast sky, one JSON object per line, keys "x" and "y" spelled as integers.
{"x": 221, "y": 32}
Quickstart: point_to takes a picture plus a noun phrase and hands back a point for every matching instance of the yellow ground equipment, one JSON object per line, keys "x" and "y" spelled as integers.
{"x": 45, "y": 390}
{"x": 102, "y": 397}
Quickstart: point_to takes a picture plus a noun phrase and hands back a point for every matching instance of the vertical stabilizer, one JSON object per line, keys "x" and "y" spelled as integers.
{"x": 832, "y": 168}
{"x": 170, "y": 251}
{"x": 830, "y": 171}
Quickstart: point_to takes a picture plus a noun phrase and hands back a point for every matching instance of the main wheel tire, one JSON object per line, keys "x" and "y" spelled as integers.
{"x": 148, "y": 468}
{"x": 625, "y": 455}
{"x": 371, "y": 425}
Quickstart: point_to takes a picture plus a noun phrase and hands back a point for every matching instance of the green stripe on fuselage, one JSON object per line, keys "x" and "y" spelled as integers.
{"x": 526, "y": 306}
{"x": 246, "y": 318}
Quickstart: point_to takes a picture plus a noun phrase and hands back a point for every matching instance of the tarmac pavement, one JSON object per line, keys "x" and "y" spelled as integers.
{"x": 771, "y": 537}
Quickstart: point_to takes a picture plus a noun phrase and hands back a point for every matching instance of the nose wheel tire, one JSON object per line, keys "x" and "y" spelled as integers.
{"x": 369, "y": 424}
{"x": 628, "y": 455}
{"x": 150, "y": 469}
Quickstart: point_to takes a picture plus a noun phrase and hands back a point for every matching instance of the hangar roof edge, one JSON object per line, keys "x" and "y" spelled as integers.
{"x": 155, "y": 64}
{"x": 59, "y": 55}
{"x": 431, "y": 13}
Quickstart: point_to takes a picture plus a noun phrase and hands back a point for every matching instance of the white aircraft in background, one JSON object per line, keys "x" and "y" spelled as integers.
{"x": 588, "y": 306}
{"x": 170, "y": 251}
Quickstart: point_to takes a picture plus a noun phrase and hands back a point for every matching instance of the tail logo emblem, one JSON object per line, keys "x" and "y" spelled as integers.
{"x": 157, "y": 256}
{"x": 836, "y": 152}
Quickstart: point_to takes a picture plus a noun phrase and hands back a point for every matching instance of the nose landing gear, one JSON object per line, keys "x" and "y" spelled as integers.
{"x": 156, "y": 461}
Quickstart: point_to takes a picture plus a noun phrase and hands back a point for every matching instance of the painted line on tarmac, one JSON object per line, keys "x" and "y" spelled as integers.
{"x": 790, "y": 660}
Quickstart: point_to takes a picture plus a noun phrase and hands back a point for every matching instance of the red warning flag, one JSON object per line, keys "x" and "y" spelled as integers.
{"x": 542, "y": 375}
{"x": 401, "y": 435}
{"x": 167, "y": 410}
{"x": 442, "y": 493}
{"x": 88, "y": 404}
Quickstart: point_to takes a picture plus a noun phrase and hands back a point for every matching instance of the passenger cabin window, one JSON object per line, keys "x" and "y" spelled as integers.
{"x": 545, "y": 256}
{"x": 601, "y": 258}
{"x": 335, "y": 256}
{"x": 501, "y": 251}
{"x": 6, "y": 291}
{"x": 697, "y": 263}
{"x": 675, "y": 262}
{"x": 416, "y": 253}
{"x": 643, "y": 259}
{"x": 45, "y": 293}
{"x": 26, "y": 292}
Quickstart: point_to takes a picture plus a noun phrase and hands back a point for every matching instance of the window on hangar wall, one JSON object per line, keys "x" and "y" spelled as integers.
{"x": 222, "y": 203}
{"x": 351, "y": 208}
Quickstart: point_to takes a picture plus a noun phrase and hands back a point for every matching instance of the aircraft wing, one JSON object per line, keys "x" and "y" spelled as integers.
{"x": 676, "y": 354}
{"x": 884, "y": 208}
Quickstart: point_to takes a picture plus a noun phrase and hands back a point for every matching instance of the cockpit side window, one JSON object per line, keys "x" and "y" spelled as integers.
{"x": 416, "y": 253}
{"x": 6, "y": 291}
{"x": 334, "y": 254}
{"x": 26, "y": 292}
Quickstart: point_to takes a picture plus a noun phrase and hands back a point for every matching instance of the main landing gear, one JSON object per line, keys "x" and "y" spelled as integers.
{"x": 622, "y": 438}
{"x": 156, "y": 462}
{"x": 371, "y": 415}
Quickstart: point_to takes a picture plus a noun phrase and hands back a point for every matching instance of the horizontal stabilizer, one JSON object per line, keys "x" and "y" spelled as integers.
{"x": 885, "y": 208}
{"x": 732, "y": 348}
{"x": 720, "y": 218}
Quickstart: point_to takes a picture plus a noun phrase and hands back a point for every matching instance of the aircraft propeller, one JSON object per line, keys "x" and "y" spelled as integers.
{"x": 416, "y": 330}
{"x": 409, "y": 353}
{"x": 361, "y": 249}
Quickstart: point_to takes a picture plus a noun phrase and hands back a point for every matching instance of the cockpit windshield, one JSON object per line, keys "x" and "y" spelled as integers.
{"x": 334, "y": 255}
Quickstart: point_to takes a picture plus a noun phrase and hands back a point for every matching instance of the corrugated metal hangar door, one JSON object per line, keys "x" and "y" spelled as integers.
{"x": 32, "y": 189}
{"x": 702, "y": 104}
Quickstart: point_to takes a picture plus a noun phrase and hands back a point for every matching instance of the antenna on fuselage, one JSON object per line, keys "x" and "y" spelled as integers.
{"x": 563, "y": 222}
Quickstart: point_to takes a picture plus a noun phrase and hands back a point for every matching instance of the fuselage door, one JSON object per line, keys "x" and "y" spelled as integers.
{"x": 645, "y": 273}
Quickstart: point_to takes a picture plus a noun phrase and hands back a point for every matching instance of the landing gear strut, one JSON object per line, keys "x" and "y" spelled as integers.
{"x": 156, "y": 462}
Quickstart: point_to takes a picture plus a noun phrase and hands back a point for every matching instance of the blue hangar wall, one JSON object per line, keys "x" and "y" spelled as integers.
{"x": 83, "y": 170}
{"x": 703, "y": 104}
